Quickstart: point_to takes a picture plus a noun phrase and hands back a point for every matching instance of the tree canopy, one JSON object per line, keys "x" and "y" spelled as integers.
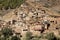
{"x": 10, "y": 3}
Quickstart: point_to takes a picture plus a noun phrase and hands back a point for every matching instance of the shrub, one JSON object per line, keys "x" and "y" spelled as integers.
{"x": 58, "y": 38}
{"x": 15, "y": 38}
{"x": 7, "y": 32}
{"x": 10, "y": 3}
{"x": 51, "y": 36}
{"x": 36, "y": 37}
{"x": 28, "y": 36}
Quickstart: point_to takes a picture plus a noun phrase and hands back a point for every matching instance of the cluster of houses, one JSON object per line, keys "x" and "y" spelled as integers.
{"x": 27, "y": 18}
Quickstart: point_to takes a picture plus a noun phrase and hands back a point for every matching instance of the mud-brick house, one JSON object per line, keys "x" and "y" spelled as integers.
{"x": 10, "y": 17}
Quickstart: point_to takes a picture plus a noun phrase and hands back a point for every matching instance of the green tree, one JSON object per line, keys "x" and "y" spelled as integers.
{"x": 36, "y": 38}
{"x": 15, "y": 38}
{"x": 51, "y": 36}
{"x": 7, "y": 31}
{"x": 28, "y": 36}
{"x": 58, "y": 38}
{"x": 6, "y": 4}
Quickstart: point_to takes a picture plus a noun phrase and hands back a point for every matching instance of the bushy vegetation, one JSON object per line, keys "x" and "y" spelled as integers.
{"x": 15, "y": 38}
{"x": 28, "y": 36}
{"x": 6, "y": 4}
{"x": 7, "y": 34}
{"x": 36, "y": 37}
{"x": 7, "y": 31}
{"x": 51, "y": 36}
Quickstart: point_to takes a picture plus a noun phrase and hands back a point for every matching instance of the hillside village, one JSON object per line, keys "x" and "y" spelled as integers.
{"x": 34, "y": 17}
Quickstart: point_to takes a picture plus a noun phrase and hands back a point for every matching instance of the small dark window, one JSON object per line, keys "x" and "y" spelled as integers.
{"x": 13, "y": 21}
{"x": 51, "y": 21}
{"x": 17, "y": 33}
{"x": 43, "y": 11}
{"x": 25, "y": 29}
{"x": 57, "y": 28}
{"x": 48, "y": 25}
{"x": 20, "y": 35}
{"x": 38, "y": 30}
{"x": 9, "y": 22}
